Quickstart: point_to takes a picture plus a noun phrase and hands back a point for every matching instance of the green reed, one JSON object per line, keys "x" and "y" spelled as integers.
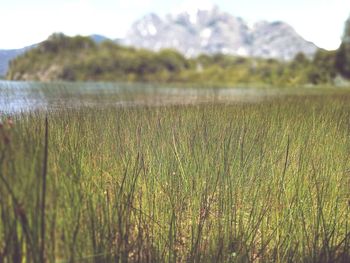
{"x": 249, "y": 182}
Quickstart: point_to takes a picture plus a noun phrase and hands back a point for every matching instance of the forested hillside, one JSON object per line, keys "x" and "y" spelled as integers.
{"x": 81, "y": 59}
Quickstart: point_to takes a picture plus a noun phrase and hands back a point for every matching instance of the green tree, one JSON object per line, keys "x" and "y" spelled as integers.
{"x": 172, "y": 60}
{"x": 323, "y": 70}
{"x": 343, "y": 54}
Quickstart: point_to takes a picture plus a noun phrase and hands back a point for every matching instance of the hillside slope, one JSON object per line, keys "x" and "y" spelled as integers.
{"x": 6, "y": 55}
{"x": 81, "y": 59}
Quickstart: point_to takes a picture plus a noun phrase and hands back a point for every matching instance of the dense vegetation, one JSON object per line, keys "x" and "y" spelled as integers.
{"x": 79, "y": 58}
{"x": 343, "y": 54}
{"x": 263, "y": 182}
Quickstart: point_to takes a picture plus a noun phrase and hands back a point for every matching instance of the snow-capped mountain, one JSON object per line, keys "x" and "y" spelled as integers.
{"x": 213, "y": 31}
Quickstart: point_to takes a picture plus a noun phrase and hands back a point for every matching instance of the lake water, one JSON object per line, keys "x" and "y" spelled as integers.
{"x": 18, "y": 97}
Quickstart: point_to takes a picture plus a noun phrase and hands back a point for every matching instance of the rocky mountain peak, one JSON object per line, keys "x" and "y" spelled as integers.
{"x": 210, "y": 30}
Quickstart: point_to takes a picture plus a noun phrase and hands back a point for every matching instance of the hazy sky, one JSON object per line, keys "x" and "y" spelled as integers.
{"x": 24, "y": 22}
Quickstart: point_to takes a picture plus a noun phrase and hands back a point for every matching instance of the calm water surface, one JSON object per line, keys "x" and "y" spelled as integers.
{"x": 18, "y": 97}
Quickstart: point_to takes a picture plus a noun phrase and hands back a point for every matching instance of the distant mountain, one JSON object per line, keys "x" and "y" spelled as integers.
{"x": 6, "y": 55}
{"x": 213, "y": 31}
{"x": 98, "y": 38}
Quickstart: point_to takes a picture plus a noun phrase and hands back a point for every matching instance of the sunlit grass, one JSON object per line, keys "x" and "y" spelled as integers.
{"x": 263, "y": 182}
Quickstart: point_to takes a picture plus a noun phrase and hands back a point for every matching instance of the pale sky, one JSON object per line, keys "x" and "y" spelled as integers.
{"x": 25, "y": 22}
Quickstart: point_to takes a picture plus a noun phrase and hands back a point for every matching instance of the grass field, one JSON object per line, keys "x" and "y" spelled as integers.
{"x": 246, "y": 182}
